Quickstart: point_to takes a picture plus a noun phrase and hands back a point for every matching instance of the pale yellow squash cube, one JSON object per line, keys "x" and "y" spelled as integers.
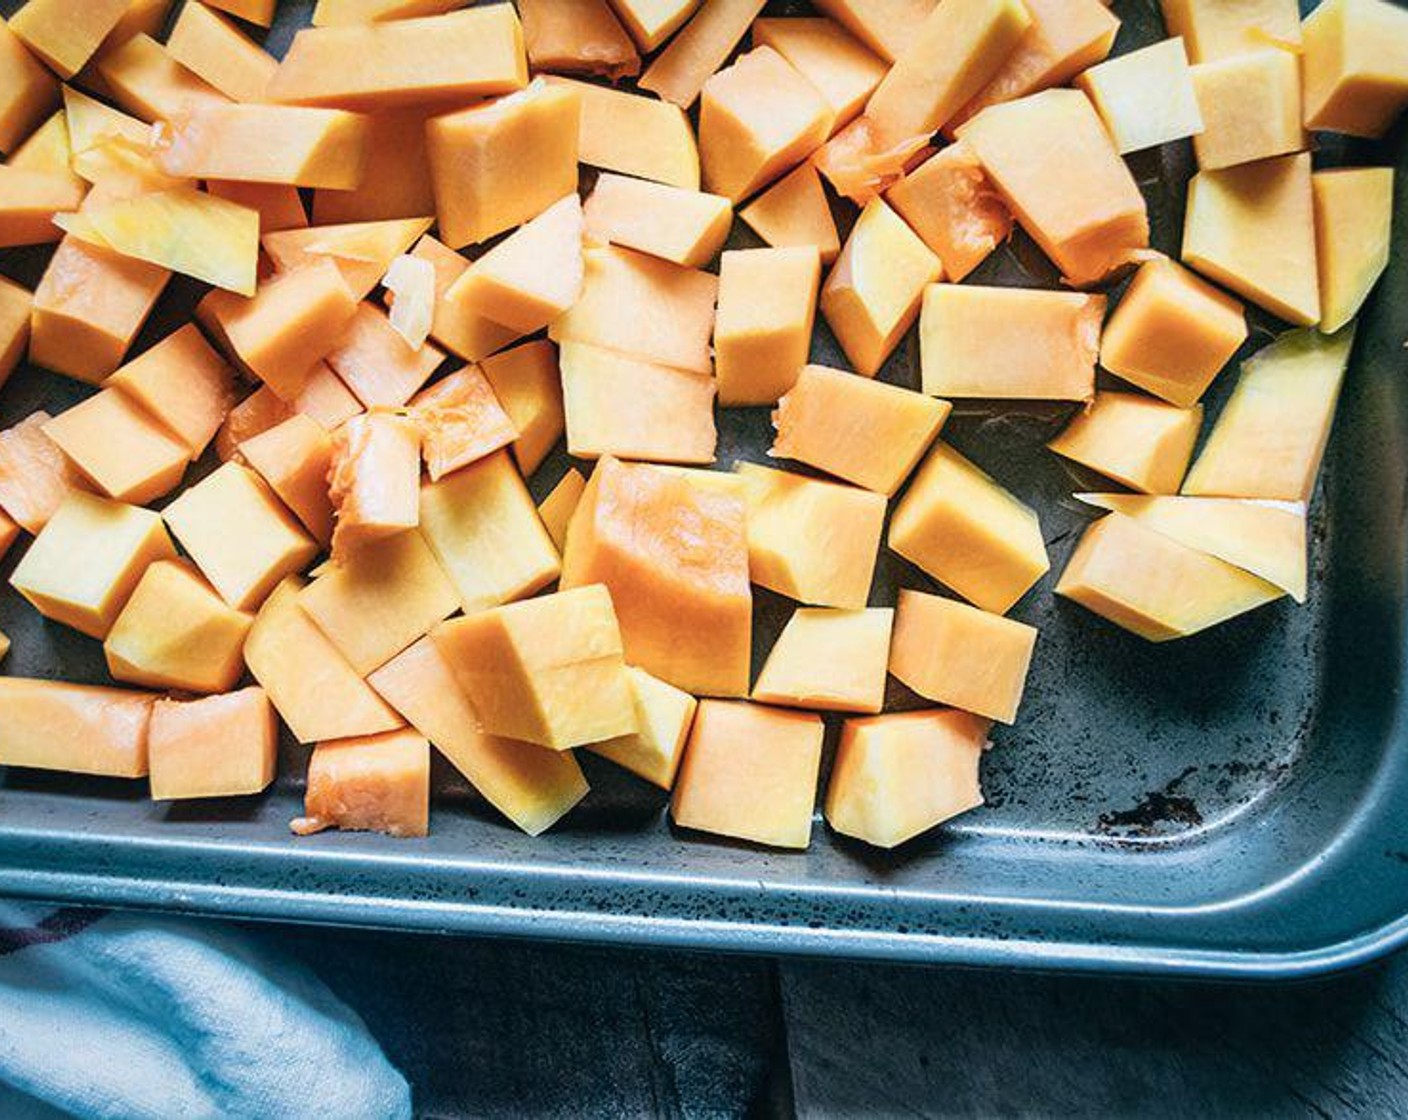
{"x": 651, "y": 22}
{"x": 686, "y": 227}
{"x": 829, "y": 660}
{"x": 1146, "y": 97}
{"x": 182, "y": 382}
{"x": 844, "y": 70}
{"x": 763, "y": 327}
{"x": 1215, "y": 29}
{"x": 886, "y": 28}
{"x": 1353, "y": 219}
{"x": 794, "y": 211}
{"x": 557, "y": 508}
{"x": 528, "y": 385}
{"x": 635, "y": 135}
{"x": 664, "y": 715}
{"x": 1138, "y": 441}
{"x": 1250, "y": 105}
{"x": 120, "y": 447}
{"x": 1355, "y": 66}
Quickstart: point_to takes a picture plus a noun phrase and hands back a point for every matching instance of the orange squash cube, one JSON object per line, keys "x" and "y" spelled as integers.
{"x": 279, "y": 205}
{"x": 257, "y": 413}
{"x": 16, "y": 304}
{"x": 950, "y": 202}
{"x": 1214, "y": 30}
{"x": 460, "y": 421}
{"x": 965, "y": 530}
{"x": 679, "y": 72}
{"x": 362, "y": 251}
{"x": 65, "y": 35}
{"x": 651, "y": 22}
{"x": 27, "y": 91}
{"x": 556, "y": 509}
{"x": 120, "y": 448}
{"x": 51, "y": 725}
{"x": 1146, "y": 97}
{"x": 634, "y": 135}
{"x": 829, "y": 660}
{"x": 896, "y": 776}
{"x": 372, "y": 783}
{"x": 83, "y": 565}
{"x": 750, "y": 772}
{"x": 844, "y": 71}
{"x": 686, "y": 227}
{"x": 1250, "y": 105}
{"x": 183, "y": 383}
{"x": 29, "y": 200}
{"x": 763, "y": 327}
{"x": 1139, "y": 442}
{"x": 47, "y": 147}
{"x": 664, "y": 715}
{"x": 294, "y": 457}
{"x": 148, "y": 82}
{"x": 373, "y": 360}
{"x": 209, "y": 45}
{"x": 35, "y": 476}
{"x": 528, "y": 386}
{"x": 1353, "y": 217}
{"x": 374, "y": 480}
{"x": 794, "y": 212}
{"x": 323, "y": 399}
{"x": 958, "y": 655}
{"x": 579, "y": 38}
{"x": 674, "y": 554}
{"x": 142, "y": 17}
{"x": 218, "y": 746}
{"x": 346, "y": 13}
{"x": 396, "y": 181}
{"x": 1355, "y": 66}
{"x": 886, "y": 28}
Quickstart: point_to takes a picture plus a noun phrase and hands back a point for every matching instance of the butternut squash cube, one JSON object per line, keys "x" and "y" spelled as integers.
{"x": 148, "y": 82}
{"x": 812, "y": 541}
{"x": 1149, "y": 584}
{"x": 362, "y": 251}
{"x": 686, "y": 227}
{"x": 239, "y": 534}
{"x": 294, "y": 457}
{"x": 316, "y": 692}
{"x": 528, "y": 386}
{"x": 829, "y": 660}
{"x": 279, "y": 205}
{"x": 259, "y": 12}
{"x": 16, "y": 304}
{"x": 872, "y": 294}
{"x": 183, "y": 383}
{"x": 29, "y": 201}
{"x": 396, "y": 180}
{"x": 664, "y": 715}
{"x": 885, "y": 28}
{"x": 949, "y": 201}
{"x": 579, "y": 38}
{"x": 867, "y": 432}
{"x": 51, "y": 725}
{"x": 209, "y": 45}
{"x": 218, "y": 746}
{"x": 142, "y": 17}
{"x": 634, "y": 409}
{"x": 674, "y": 554}
{"x": 1355, "y": 66}
{"x": 750, "y": 772}
{"x": 758, "y": 119}
{"x": 634, "y": 135}
{"x": 374, "y": 361}
{"x": 448, "y": 58}
{"x": 899, "y": 775}
{"x": 679, "y": 71}
{"x": 1250, "y": 105}
{"x": 794, "y": 211}
{"x": 1052, "y": 160}
{"x": 548, "y": 670}
{"x": 83, "y": 565}
{"x": 35, "y": 476}
{"x": 1009, "y": 342}
{"x": 1146, "y": 97}
{"x": 460, "y": 421}
{"x": 485, "y": 531}
{"x": 471, "y": 337}
{"x": 120, "y": 447}
{"x": 1139, "y": 442}
{"x": 763, "y": 328}
{"x": 176, "y": 632}
{"x": 651, "y": 22}
{"x": 1353, "y": 215}
{"x": 958, "y": 655}
{"x": 345, "y": 13}
{"x": 1252, "y": 229}
{"x": 643, "y": 306}
{"x": 532, "y": 786}
{"x": 47, "y": 147}
{"x": 965, "y": 530}
{"x": 844, "y": 71}
{"x": 1172, "y": 332}
{"x": 557, "y": 508}
{"x": 63, "y": 34}
{"x": 27, "y": 91}
{"x": 372, "y": 783}
{"x": 323, "y": 399}
{"x": 1215, "y": 29}
{"x": 860, "y": 162}
{"x": 374, "y": 480}
{"x": 498, "y": 164}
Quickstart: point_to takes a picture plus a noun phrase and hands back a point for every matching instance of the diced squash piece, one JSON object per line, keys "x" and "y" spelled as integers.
{"x": 294, "y": 458}
{"x": 316, "y": 692}
{"x": 183, "y": 383}
{"x": 142, "y": 17}
{"x": 958, "y": 655}
{"x": 460, "y": 421}
{"x": 83, "y": 729}
{"x": 949, "y": 201}
{"x": 47, "y": 147}
{"x": 16, "y": 304}
{"x": 952, "y": 55}
{"x": 90, "y": 121}
{"x": 829, "y": 660}
{"x": 860, "y": 163}
{"x": 549, "y": 670}
{"x": 279, "y": 205}
{"x": 10, "y": 532}
{"x": 28, "y": 202}
{"x": 1146, "y": 97}
{"x": 557, "y": 508}
{"x": 208, "y": 44}
{"x": 899, "y": 775}
{"x": 643, "y": 306}
{"x": 674, "y": 554}
{"x": 380, "y": 599}
{"x": 239, "y": 534}
{"x": 259, "y": 12}
{"x": 323, "y": 399}
{"x": 651, "y": 22}
{"x": 410, "y": 294}
{"x": 1172, "y": 332}
{"x": 120, "y": 447}
{"x": 217, "y": 746}
{"x": 872, "y": 294}
{"x": 35, "y": 476}
{"x": 793, "y": 212}
{"x": 85, "y": 562}
{"x": 88, "y": 307}
{"x": 750, "y": 772}
{"x": 372, "y": 783}
{"x": 362, "y": 251}
{"x": 1355, "y": 66}
{"x": 345, "y": 13}
{"x": 1217, "y": 29}
{"x": 27, "y": 91}
{"x": 266, "y": 144}
{"x": 867, "y": 432}
{"x": 396, "y": 181}
{"x": 1018, "y": 343}
{"x": 886, "y": 28}
{"x": 664, "y": 715}
{"x": 149, "y": 83}
{"x": 374, "y": 480}
{"x": 635, "y": 135}
{"x": 679, "y": 72}
{"x": 471, "y": 337}
{"x": 1265, "y": 538}
{"x": 763, "y": 328}
{"x": 66, "y": 35}
{"x": 483, "y": 528}
{"x": 497, "y": 164}
{"x": 758, "y": 119}
{"x": 531, "y": 785}
{"x": 1137, "y": 441}
{"x": 965, "y": 530}
{"x": 1252, "y": 229}
{"x": 1271, "y": 434}
{"x": 528, "y": 386}
{"x": 1052, "y": 160}
{"x": 176, "y": 632}
{"x": 810, "y": 540}
{"x": 1150, "y": 585}
{"x": 376, "y": 364}
{"x": 1353, "y": 215}
{"x": 578, "y": 38}
{"x": 1250, "y": 105}
{"x": 686, "y": 227}
{"x": 844, "y": 71}
{"x": 635, "y": 409}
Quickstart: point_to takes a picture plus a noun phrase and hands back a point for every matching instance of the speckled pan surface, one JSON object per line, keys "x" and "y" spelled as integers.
{"x": 1231, "y": 804}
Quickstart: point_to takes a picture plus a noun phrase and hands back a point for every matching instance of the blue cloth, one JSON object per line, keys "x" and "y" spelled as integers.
{"x": 133, "y": 1016}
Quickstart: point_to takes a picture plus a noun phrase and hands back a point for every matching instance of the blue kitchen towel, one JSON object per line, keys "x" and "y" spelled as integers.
{"x": 113, "y": 1015}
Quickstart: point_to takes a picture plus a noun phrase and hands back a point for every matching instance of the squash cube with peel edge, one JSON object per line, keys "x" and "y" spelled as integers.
{"x": 1353, "y": 217}
{"x": 1250, "y": 105}
{"x": 634, "y": 135}
{"x": 120, "y": 448}
{"x": 1139, "y": 442}
{"x": 899, "y": 775}
{"x": 371, "y": 783}
{"x": 217, "y": 746}
{"x": 374, "y": 481}
{"x": 460, "y": 421}
{"x": 79, "y": 728}
{"x": 763, "y": 326}
{"x": 685, "y": 227}
{"x": 664, "y": 715}
{"x": 548, "y": 670}
{"x": 794, "y": 211}
{"x": 1355, "y": 66}
{"x": 829, "y": 660}
{"x": 1146, "y": 97}
{"x": 182, "y": 382}
{"x": 950, "y": 202}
